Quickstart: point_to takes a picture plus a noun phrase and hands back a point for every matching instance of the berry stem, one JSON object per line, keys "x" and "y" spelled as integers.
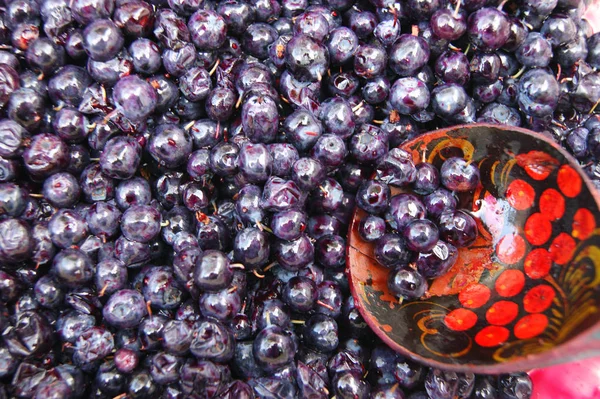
{"x": 357, "y": 106}
{"x": 457, "y": 8}
{"x": 214, "y": 68}
{"x": 257, "y": 274}
{"x": 519, "y": 73}
{"x": 594, "y": 107}
{"x": 321, "y": 303}
{"x": 189, "y": 125}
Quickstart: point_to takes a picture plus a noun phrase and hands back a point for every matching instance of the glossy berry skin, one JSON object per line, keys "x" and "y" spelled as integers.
{"x": 300, "y": 294}
{"x": 448, "y": 100}
{"x": 459, "y": 175}
{"x": 251, "y": 248}
{"x": 406, "y": 283}
{"x": 396, "y": 168}
{"x": 296, "y": 254}
{"x": 44, "y": 56}
{"x": 161, "y": 290}
{"x": 31, "y": 335}
{"x": 213, "y": 341}
{"x": 13, "y": 199}
{"x": 531, "y": 99}
{"x": 369, "y": 61}
{"x": 260, "y": 118}
{"x": 449, "y": 384}
{"x": 92, "y": 346}
{"x": 110, "y": 276}
{"x": 145, "y": 56}
{"x": 71, "y": 125}
{"x": 207, "y": 29}
{"x": 68, "y": 84}
{"x": 212, "y": 271}
{"x": 86, "y": 11}
{"x": 390, "y": 250}
{"x": 255, "y": 162}
{"x": 125, "y": 309}
{"x": 453, "y": 67}
{"x": 61, "y": 190}
{"x": 439, "y": 201}
{"x": 409, "y": 95}
{"x": 485, "y": 67}
{"x": 170, "y": 145}
{"x": 289, "y": 225}
{"x": 329, "y": 196}
{"x": 177, "y": 336}
{"x": 330, "y": 251}
{"x": 488, "y": 29}
{"x": 421, "y": 235}
{"x": 67, "y": 228}
{"x": 284, "y": 157}
{"x": 368, "y": 145}
{"x": 273, "y": 348}
{"x": 428, "y": 179}
{"x": 514, "y": 386}
{"x": 73, "y": 267}
{"x": 308, "y": 173}
{"x": 121, "y": 157}
{"x": 403, "y": 209}
{"x": 341, "y": 44}
{"x": 141, "y": 223}
{"x": 135, "y": 18}
{"x": 135, "y": 191}
{"x": 373, "y": 197}
{"x": 257, "y": 39}
{"x": 26, "y": 107}
{"x": 46, "y": 155}
{"x": 457, "y": 228}
{"x": 102, "y": 40}
{"x": 195, "y": 84}
{"x": 337, "y": 117}
{"x": 350, "y": 384}
{"x": 485, "y": 388}
{"x": 535, "y": 51}
{"x": 10, "y": 79}
{"x": 223, "y": 305}
{"x": 448, "y": 25}
{"x": 280, "y": 195}
{"x": 302, "y": 129}
{"x": 126, "y": 360}
{"x": 12, "y": 135}
{"x": 438, "y": 261}
{"x": 321, "y": 333}
{"x": 376, "y": 90}
{"x": 408, "y": 54}
{"x": 134, "y": 97}
{"x": 306, "y": 58}
{"x": 371, "y": 228}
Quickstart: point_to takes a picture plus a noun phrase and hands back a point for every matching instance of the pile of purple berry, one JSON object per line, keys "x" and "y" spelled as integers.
{"x": 177, "y": 178}
{"x": 417, "y": 232}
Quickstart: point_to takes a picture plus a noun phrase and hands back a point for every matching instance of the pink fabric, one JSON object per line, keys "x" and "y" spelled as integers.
{"x": 577, "y": 380}
{"x": 593, "y": 15}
